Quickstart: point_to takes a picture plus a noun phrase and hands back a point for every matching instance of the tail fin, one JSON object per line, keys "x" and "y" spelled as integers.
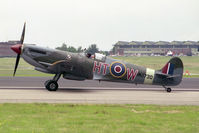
{"x": 174, "y": 71}
{"x": 168, "y": 68}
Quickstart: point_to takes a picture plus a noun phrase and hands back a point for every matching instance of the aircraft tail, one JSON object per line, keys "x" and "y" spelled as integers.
{"x": 172, "y": 71}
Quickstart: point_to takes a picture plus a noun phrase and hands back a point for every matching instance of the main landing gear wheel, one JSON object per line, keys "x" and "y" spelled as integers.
{"x": 51, "y": 85}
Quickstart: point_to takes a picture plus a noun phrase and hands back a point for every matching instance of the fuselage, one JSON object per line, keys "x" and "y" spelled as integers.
{"x": 81, "y": 66}
{"x": 77, "y": 66}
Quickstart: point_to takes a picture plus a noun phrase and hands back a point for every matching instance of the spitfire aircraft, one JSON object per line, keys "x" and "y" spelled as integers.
{"x": 79, "y": 66}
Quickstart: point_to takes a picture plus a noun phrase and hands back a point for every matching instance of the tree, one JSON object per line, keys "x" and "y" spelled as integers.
{"x": 114, "y": 50}
{"x": 79, "y": 49}
{"x": 71, "y": 49}
{"x": 63, "y": 47}
{"x": 92, "y": 49}
{"x": 104, "y": 52}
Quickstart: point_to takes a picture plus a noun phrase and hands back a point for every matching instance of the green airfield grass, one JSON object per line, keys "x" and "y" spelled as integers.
{"x": 24, "y": 69}
{"x": 71, "y": 118}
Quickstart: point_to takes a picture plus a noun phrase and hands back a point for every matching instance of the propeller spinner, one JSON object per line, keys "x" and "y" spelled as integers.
{"x": 17, "y": 48}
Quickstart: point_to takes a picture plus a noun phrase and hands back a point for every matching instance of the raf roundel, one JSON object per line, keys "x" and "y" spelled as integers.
{"x": 117, "y": 69}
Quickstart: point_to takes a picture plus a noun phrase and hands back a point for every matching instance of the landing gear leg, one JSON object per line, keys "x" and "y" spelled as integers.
{"x": 167, "y": 89}
{"x": 51, "y": 85}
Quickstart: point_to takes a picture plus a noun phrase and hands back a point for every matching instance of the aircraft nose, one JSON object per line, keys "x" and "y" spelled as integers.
{"x": 17, "y": 48}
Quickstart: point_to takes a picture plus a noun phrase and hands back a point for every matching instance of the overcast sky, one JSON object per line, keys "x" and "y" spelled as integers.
{"x": 103, "y": 22}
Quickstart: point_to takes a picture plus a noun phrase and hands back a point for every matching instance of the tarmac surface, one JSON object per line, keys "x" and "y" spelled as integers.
{"x": 32, "y": 90}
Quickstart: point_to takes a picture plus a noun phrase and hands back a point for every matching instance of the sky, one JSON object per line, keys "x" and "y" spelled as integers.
{"x": 50, "y": 23}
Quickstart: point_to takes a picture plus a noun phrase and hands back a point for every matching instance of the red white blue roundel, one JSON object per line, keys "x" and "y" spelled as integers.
{"x": 117, "y": 69}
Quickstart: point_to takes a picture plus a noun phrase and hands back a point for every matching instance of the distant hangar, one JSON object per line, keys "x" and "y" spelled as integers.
{"x": 5, "y": 50}
{"x": 188, "y": 48}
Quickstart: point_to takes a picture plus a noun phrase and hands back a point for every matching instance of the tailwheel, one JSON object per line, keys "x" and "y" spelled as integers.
{"x": 51, "y": 85}
{"x": 168, "y": 89}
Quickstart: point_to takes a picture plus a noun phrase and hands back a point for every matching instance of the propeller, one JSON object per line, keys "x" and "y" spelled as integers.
{"x": 18, "y": 48}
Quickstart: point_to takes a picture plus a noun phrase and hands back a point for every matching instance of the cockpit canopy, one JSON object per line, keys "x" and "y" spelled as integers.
{"x": 99, "y": 57}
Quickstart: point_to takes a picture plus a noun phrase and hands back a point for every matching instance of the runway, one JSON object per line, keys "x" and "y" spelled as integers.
{"x": 31, "y": 90}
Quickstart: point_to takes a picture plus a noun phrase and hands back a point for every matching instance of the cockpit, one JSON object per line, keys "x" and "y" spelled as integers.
{"x": 96, "y": 56}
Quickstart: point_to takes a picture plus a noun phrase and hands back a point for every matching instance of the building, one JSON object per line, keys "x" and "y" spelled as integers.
{"x": 156, "y": 48}
{"x": 5, "y": 50}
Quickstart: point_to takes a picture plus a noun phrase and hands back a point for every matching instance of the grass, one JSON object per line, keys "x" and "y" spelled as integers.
{"x": 24, "y": 69}
{"x": 190, "y": 63}
{"x": 71, "y": 118}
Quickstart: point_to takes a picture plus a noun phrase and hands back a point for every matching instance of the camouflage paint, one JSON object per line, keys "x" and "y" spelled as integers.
{"x": 78, "y": 66}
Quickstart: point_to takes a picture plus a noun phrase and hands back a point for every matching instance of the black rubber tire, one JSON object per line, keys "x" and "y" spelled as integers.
{"x": 51, "y": 85}
{"x": 168, "y": 89}
{"x": 47, "y": 82}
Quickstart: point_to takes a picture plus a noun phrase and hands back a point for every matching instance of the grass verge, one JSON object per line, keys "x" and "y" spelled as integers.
{"x": 72, "y": 118}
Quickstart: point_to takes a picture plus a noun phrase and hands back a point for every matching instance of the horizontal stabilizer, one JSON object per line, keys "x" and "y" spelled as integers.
{"x": 167, "y": 75}
{"x": 174, "y": 76}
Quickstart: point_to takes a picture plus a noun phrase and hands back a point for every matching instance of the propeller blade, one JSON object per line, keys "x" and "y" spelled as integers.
{"x": 23, "y": 34}
{"x": 16, "y": 64}
{"x": 17, "y": 48}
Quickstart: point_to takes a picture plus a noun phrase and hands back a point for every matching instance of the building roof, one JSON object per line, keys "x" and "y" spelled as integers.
{"x": 9, "y": 42}
{"x": 120, "y": 43}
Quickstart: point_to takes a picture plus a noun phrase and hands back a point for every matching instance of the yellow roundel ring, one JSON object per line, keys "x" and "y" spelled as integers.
{"x": 117, "y": 69}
